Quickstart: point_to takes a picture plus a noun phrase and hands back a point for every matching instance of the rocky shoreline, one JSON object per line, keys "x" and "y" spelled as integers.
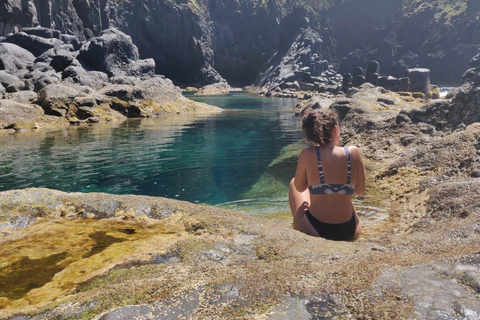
{"x": 138, "y": 257}
{"x": 50, "y": 80}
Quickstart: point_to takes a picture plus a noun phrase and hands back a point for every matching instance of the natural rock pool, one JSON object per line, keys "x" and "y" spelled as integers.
{"x": 241, "y": 158}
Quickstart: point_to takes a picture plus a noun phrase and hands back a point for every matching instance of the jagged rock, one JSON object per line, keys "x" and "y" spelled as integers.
{"x": 295, "y": 62}
{"x": 45, "y": 57}
{"x": 475, "y": 62}
{"x": 435, "y": 113}
{"x": 14, "y": 58}
{"x": 15, "y": 13}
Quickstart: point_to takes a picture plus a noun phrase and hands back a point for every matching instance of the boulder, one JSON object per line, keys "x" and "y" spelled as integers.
{"x": 14, "y": 58}
{"x": 347, "y": 81}
{"x": 214, "y": 89}
{"x": 36, "y": 45}
{"x": 15, "y": 115}
{"x": 358, "y": 80}
{"x": 372, "y": 78}
{"x": 112, "y": 52}
{"x": 71, "y": 40}
{"x": 16, "y": 86}
{"x": 61, "y": 60}
{"x": 41, "y": 77}
{"x": 57, "y": 98}
{"x": 141, "y": 68}
{"x": 42, "y": 32}
{"x": 78, "y": 75}
{"x": 403, "y": 84}
{"x": 25, "y": 96}
{"x": 45, "y": 57}
{"x": 123, "y": 92}
{"x": 358, "y": 71}
{"x": 372, "y": 67}
{"x": 419, "y": 80}
{"x": 7, "y": 79}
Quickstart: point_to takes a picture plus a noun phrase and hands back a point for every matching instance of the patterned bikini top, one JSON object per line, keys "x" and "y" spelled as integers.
{"x": 325, "y": 188}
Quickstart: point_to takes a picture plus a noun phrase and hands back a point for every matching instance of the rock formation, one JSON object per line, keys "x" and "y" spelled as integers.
{"x": 136, "y": 256}
{"x": 100, "y": 80}
{"x": 415, "y": 80}
{"x": 204, "y": 42}
{"x": 400, "y": 36}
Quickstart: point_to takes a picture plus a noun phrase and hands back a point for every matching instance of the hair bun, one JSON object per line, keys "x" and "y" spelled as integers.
{"x": 318, "y": 124}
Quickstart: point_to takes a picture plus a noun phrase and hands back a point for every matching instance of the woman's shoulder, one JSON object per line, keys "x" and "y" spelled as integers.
{"x": 308, "y": 149}
{"x": 355, "y": 152}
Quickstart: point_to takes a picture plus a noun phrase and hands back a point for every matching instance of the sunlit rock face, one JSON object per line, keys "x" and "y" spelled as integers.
{"x": 205, "y": 42}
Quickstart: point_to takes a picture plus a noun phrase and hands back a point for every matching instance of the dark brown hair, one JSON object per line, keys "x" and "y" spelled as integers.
{"x": 318, "y": 124}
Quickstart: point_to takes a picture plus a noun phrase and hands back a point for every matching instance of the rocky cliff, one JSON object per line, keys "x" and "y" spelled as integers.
{"x": 202, "y": 42}
{"x": 441, "y": 36}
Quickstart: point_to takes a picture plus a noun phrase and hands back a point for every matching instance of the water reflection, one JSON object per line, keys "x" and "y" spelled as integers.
{"x": 241, "y": 158}
{"x": 198, "y": 158}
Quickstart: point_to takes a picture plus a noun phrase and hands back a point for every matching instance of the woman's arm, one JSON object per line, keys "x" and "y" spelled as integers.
{"x": 360, "y": 178}
{"x": 301, "y": 183}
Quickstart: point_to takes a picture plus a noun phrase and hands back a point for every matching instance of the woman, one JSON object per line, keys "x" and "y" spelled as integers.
{"x": 327, "y": 176}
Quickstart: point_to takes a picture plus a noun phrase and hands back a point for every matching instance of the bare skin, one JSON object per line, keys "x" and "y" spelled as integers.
{"x": 329, "y": 208}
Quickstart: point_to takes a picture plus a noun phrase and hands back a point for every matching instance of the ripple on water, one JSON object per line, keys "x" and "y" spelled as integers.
{"x": 279, "y": 209}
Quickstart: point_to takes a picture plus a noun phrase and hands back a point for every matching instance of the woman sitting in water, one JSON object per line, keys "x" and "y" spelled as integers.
{"x": 327, "y": 176}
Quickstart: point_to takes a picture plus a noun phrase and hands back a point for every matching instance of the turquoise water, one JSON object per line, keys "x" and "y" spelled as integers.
{"x": 213, "y": 159}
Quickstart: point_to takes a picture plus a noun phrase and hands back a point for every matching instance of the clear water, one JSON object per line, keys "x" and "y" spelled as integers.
{"x": 238, "y": 159}
{"x": 212, "y": 159}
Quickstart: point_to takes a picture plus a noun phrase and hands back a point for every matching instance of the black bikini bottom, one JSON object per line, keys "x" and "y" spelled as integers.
{"x": 334, "y": 231}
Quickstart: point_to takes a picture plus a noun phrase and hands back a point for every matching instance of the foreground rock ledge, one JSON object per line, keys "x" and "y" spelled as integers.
{"x": 117, "y": 257}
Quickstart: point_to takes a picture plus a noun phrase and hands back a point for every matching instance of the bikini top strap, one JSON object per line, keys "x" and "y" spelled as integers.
{"x": 320, "y": 168}
{"x": 349, "y": 166}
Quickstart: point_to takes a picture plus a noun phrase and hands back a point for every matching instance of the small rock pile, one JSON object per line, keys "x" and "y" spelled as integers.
{"x": 46, "y": 76}
{"x": 415, "y": 80}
